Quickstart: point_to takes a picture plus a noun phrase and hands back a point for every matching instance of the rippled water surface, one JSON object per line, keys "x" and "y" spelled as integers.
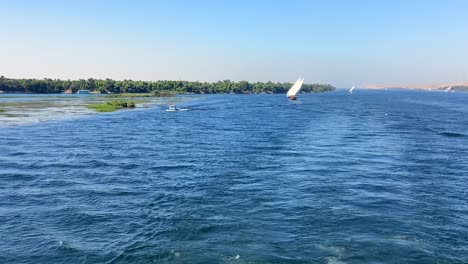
{"x": 372, "y": 177}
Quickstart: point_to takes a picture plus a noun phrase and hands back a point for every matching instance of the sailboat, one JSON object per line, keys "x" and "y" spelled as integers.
{"x": 295, "y": 89}
{"x": 448, "y": 89}
{"x": 351, "y": 90}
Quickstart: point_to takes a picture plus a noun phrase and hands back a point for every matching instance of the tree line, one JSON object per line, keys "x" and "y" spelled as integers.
{"x": 129, "y": 86}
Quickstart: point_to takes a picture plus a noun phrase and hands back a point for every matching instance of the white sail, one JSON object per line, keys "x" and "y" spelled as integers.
{"x": 351, "y": 90}
{"x": 448, "y": 89}
{"x": 296, "y": 88}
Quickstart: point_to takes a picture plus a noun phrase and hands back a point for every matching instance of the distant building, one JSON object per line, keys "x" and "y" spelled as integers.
{"x": 83, "y": 92}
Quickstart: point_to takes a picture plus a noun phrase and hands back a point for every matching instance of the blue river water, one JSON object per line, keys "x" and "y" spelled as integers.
{"x": 368, "y": 177}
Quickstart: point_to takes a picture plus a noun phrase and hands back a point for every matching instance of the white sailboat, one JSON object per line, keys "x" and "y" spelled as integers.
{"x": 351, "y": 90}
{"x": 448, "y": 89}
{"x": 295, "y": 89}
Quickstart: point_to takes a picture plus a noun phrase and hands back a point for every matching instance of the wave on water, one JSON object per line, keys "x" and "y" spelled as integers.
{"x": 241, "y": 179}
{"x": 452, "y": 134}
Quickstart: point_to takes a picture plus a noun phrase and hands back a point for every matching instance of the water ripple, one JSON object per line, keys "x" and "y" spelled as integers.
{"x": 376, "y": 177}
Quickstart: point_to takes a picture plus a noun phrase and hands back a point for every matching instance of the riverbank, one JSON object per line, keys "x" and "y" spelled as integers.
{"x": 161, "y": 87}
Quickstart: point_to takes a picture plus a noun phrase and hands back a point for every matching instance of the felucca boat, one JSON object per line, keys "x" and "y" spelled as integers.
{"x": 295, "y": 89}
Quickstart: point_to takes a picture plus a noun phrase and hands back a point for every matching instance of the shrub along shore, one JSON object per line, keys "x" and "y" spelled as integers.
{"x": 157, "y": 88}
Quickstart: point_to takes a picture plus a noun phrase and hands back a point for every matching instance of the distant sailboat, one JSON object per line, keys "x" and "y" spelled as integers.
{"x": 295, "y": 89}
{"x": 351, "y": 90}
{"x": 448, "y": 89}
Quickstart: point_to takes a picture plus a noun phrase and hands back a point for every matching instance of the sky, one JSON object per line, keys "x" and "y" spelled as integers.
{"x": 344, "y": 43}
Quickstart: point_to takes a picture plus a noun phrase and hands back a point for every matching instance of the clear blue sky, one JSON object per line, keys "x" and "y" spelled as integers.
{"x": 338, "y": 42}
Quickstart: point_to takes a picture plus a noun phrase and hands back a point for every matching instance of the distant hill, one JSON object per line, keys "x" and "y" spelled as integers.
{"x": 455, "y": 87}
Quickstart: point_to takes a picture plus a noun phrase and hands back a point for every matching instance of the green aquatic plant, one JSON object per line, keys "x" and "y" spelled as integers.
{"x": 103, "y": 107}
{"x": 113, "y": 105}
{"x": 2, "y": 110}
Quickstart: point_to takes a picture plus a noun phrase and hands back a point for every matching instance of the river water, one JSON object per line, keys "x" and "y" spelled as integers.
{"x": 369, "y": 177}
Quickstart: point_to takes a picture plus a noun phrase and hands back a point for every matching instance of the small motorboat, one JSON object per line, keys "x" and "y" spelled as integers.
{"x": 172, "y": 108}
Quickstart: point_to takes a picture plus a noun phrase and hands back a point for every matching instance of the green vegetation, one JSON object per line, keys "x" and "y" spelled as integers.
{"x": 2, "y": 110}
{"x": 103, "y": 107}
{"x": 111, "y": 105}
{"x": 157, "y": 88}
